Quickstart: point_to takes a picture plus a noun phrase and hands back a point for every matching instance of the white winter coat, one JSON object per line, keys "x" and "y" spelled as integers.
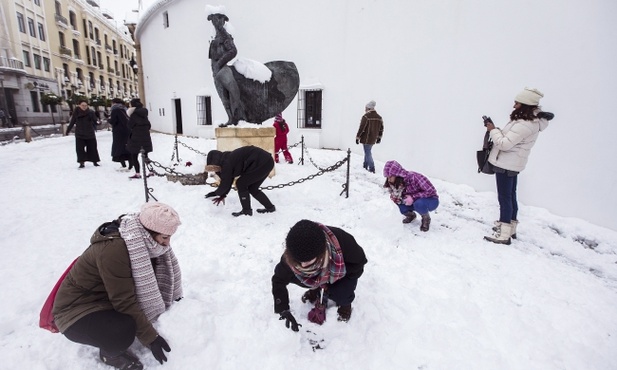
{"x": 512, "y": 144}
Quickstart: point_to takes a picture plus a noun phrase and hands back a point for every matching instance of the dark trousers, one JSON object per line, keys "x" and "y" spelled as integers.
{"x": 506, "y": 194}
{"x": 86, "y": 150}
{"x": 250, "y": 181}
{"x": 111, "y": 331}
{"x": 343, "y": 291}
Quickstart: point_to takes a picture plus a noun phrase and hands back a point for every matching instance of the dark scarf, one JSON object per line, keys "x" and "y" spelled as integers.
{"x": 324, "y": 271}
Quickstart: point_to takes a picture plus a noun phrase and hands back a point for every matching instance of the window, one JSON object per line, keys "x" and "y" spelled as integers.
{"x": 37, "y": 2}
{"x": 165, "y": 20}
{"x": 73, "y": 20}
{"x": 45, "y": 106}
{"x": 93, "y": 56}
{"x": 88, "y": 55}
{"x": 58, "y": 8}
{"x": 20, "y": 22}
{"x": 37, "y": 61}
{"x": 41, "y": 31}
{"x": 90, "y": 28}
{"x": 34, "y": 97}
{"x": 46, "y": 64}
{"x": 309, "y": 108}
{"x": 98, "y": 56}
{"x": 27, "y": 59}
{"x": 31, "y": 27}
{"x": 76, "y": 51}
{"x": 61, "y": 37}
{"x": 204, "y": 110}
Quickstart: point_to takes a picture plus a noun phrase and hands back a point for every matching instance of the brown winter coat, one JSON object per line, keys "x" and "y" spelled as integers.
{"x": 371, "y": 128}
{"x": 100, "y": 280}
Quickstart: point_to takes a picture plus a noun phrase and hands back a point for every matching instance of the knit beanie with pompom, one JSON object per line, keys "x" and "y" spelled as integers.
{"x": 305, "y": 241}
{"x": 159, "y": 218}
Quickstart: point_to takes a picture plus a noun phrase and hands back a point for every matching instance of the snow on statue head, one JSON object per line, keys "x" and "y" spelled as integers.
{"x": 213, "y": 10}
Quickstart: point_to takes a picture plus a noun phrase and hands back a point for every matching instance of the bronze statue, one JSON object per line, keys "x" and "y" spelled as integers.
{"x": 245, "y": 98}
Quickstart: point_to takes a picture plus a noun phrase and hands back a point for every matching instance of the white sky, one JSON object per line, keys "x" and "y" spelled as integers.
{"x": 120, "y": 7}
{"x": 444, "y": 299}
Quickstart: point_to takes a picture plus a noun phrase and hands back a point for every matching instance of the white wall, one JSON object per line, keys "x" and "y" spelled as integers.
{"x": 434, "y": 68}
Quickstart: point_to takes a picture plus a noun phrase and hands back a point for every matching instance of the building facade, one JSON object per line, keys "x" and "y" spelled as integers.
{"x": 63, "y": 47}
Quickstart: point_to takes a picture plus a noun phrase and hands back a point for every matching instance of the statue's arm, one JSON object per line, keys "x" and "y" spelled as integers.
{"x": 229, "y": 54}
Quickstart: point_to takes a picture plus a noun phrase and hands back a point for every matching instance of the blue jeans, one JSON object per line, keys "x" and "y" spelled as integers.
{"x": 368, "y": 158}
{"x": 342, "y": 291}
{"x": 506, "y": 194}
{"x": 420, "y": 205}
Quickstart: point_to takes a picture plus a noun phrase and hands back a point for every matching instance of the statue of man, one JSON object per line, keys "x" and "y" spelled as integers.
{"x": 222, "y": 50}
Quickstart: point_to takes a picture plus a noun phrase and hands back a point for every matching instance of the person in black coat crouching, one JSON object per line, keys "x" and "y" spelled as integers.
{"x": 252, "y": 165}
{"x": 324, "y": 259}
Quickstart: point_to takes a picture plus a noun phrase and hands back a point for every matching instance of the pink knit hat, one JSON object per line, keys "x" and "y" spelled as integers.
{"x": 159, "y": 218}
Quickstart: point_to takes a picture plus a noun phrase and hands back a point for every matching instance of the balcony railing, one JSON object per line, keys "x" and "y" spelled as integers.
{"x": 94, "y": 3}
{"x": 111, "y": 70}
{"x": 108, "y": 47}
{"x": 11, "y": 63}
{"x": 62, "y": 20}
{"x": 66, "y": 51}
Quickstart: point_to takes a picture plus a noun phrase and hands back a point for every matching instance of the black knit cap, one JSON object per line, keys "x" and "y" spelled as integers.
{"x": 214, "y": 158}
{"x": 305, "y": 241}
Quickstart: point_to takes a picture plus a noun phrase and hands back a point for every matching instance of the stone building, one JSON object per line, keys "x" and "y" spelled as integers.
{"x": 64, "y": 47}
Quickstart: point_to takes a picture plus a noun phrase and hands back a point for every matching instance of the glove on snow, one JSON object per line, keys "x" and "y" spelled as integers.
{"x": 211, "y": 194}
{"x": 218, "y": 200}
{"x": 408, "y": 200}
{"x": 157, "y": 346}
{"x": 290, "y": 320}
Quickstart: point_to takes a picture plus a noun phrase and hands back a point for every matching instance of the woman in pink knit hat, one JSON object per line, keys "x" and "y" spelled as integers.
{"x": 123, "y": 281}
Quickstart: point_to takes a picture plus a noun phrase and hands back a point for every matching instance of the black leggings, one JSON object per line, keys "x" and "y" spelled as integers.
{"x": 111, "y": 331}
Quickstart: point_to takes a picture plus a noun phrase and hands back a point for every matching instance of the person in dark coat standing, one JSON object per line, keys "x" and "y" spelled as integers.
{"x": 119, "y": 122}
{"x": 321, "y": 258}
{"x": 85, "y": 122}
{"x": 280, "y": 140}
{"x": 140, "y": 134}
{"x": 252, "y": 165}
{"x": 120, "y": 285}
{"x": 369, "y": 134}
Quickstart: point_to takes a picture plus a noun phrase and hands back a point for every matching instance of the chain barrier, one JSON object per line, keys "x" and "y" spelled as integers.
{"x": 200, "y": 179}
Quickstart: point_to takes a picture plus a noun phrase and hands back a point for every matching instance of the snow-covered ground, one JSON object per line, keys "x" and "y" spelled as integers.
{"x": 444, "y": 299}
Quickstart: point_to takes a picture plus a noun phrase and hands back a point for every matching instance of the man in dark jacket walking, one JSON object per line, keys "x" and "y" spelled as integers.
{"x": 318, "y": 257}
{"x": 252, "y": 165}
{"x": 84, "y": 120}
{"x": 369, "y": 134}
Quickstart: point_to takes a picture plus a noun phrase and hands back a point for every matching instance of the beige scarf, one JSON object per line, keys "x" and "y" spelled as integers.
{"x": 156, "y": 288}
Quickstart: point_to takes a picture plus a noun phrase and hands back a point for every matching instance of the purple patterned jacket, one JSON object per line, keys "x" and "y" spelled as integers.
{"x": 416, "y": 184}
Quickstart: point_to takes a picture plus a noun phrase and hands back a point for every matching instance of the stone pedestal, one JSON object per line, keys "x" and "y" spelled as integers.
{"x": 230, "y": 138}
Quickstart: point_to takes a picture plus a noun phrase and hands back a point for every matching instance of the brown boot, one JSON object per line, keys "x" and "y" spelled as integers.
{"x": 344, "y": 313}
{"x": 409, "y": 216}
{"x": 426, "y": 222}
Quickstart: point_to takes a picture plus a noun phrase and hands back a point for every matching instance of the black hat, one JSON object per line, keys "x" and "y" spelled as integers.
{"x": 305, "y": 241}
{"x": 136, "y": 103}
{"x": 215, "y": 157}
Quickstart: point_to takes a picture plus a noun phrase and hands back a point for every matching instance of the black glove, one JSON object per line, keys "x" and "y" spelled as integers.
{"x": 211, "y": 194}
{"x": 546, "y": 115}
{"x": 378, "y": 140}
{"x": 290, "y": 320}
{"x": 357, "y": 141}
{"x": 157, "y": 346}
{"x": 219, "y": 200}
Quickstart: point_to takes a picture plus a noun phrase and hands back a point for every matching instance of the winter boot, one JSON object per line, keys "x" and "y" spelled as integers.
{"x": 124, "y": 361}
{"x": 245, "y": 201}
{"x": 81, "y": 165}
{"x": 311, "y": 295}
{"x": 502, "y": 235}
{"x": 514, "y": 223}
{"x": 266, "y": 210}
{"x": 409, "y": 216}
{"x": 426, "y": 222}
{"x": 344, "y": 313}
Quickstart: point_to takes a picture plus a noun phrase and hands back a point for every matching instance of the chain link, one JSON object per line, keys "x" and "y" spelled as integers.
{"x": 309, "y": 177}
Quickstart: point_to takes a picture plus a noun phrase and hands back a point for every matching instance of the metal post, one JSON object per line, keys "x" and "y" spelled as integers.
{"x": 176, "y": 148}
{"x": 302, "y": 152}
{"x": 348, "y": 169}
{"x": 143, "y": 173}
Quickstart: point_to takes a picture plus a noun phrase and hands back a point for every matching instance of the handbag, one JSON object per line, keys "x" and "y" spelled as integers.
{"x": 46, "y": 318}
{"x": 482, "y": 156}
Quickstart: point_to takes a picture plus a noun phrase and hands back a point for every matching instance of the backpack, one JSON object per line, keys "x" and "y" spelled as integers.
{"x": 46, "y": 319}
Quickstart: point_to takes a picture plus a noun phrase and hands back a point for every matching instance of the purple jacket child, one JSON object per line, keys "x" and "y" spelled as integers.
{"x": 412, "y": 192}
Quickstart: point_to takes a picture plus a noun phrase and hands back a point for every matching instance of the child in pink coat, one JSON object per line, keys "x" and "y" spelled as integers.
{"x": 280, "y": 140}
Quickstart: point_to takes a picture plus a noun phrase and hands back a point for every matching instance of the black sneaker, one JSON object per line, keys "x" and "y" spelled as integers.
{"x": 266, "y": 210}
{"x": 124, "y": 361}
{"x": 344, "y": 313}
{"x": 248, "y": 212}
{"x": 81, "y": 165}
{"x": 311, "y": 295}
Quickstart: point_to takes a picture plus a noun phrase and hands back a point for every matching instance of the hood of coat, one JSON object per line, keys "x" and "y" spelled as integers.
{"x": 393, "y": 168}
{"x": 107, "y": 231}
{"x": 118, "y": 106}
{"x": 215, "y": 158}
{"x": 141, "y": 112}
